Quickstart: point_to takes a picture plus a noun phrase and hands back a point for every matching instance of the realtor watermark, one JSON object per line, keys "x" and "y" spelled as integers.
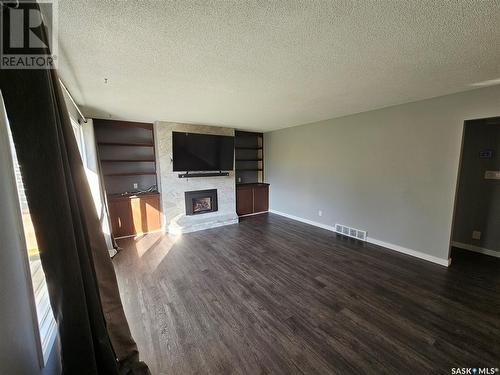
{"x": 475, "y": 370}
{"x": 24, "y": 25}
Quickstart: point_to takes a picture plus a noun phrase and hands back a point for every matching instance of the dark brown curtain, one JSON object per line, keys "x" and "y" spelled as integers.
{"x": 93, "y": 330}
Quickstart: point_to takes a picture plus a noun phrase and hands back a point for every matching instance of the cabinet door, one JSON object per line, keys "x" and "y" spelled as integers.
{"x": 260, "y": 198}
{"x": 244, "y": 200}
{"x": 146, "y": 213}
{"x": 120, "y": 214}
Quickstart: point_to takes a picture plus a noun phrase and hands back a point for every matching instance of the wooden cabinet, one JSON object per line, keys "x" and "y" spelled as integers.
{"x": 244, "y": 200}
{"x": 135, "y": 214}
{"x": 260, "y": 198}
{"x": 252, "y": 198}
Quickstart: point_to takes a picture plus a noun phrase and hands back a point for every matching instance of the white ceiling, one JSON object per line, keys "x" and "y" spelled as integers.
{"x": 263, "y": 65}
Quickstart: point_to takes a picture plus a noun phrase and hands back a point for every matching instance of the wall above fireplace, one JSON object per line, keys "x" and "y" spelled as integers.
{"x": 173, "y": 188}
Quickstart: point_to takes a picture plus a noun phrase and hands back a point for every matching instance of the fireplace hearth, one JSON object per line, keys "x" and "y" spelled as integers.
{"x": 200, "y": 201}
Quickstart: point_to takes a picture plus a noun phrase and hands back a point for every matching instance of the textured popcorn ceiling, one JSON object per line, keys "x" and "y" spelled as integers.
{"x": 265, "y": 65}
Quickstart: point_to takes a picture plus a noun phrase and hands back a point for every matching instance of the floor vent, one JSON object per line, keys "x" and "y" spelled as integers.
{"x": 350, "y": 232}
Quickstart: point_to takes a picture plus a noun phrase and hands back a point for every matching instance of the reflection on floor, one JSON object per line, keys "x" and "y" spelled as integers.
{"x": 275, "y": 296}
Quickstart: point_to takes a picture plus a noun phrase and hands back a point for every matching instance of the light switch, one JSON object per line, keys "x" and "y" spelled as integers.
{"x": 476, "y": 235}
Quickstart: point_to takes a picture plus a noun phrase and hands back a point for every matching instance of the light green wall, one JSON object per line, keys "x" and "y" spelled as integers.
{"x": 392, "y": 171}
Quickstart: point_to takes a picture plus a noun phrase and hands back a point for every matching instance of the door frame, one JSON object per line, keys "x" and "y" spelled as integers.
{"x": 488, "y": 120}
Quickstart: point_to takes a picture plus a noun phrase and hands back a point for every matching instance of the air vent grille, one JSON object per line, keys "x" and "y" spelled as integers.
{"x": 350, "y": 232}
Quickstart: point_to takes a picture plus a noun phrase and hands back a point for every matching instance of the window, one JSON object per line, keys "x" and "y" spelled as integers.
{"x": 47, "y": 327}
{"x": 78, "y": 131}
{"x": 46, "y": 322}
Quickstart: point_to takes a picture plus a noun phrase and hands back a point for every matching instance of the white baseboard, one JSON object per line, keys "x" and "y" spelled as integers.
{"x": 413, "y": 253}
{"x": 307, "y": 221}
{"x": 388, "y": 245}
{"x": 139, "y": 234}
{"x": 476, "y": 249}
{"x": 255, "y": 213}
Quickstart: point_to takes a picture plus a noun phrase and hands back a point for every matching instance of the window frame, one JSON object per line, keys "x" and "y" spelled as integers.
{"x": 45, "y": 328}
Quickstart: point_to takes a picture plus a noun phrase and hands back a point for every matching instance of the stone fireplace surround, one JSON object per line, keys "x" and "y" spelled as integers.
{"x": 173, "y": 188}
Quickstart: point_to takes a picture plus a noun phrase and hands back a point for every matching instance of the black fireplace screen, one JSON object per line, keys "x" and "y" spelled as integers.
{"x": 200, "y": 201}
{"x": 202, "y": 204}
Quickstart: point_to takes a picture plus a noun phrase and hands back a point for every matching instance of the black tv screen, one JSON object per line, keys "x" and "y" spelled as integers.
{"x": 202, "y": 152}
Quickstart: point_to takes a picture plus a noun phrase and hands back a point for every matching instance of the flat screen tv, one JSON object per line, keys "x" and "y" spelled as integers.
{"x": 202, "y": 152}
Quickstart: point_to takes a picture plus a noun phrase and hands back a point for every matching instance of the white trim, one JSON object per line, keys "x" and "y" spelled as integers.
{"x": 476, "y": 249}
{"x": 139, "y": 234}
{"x": 388, "y": 245}
{"x": 307, "y": 221}
{"x": 413, "y": 253}
{"x": 255, "y": 213}
{"x": 10, "y": 179}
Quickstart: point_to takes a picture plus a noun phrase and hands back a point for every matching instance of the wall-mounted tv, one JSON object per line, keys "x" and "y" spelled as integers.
{"x": 202, "y": 152}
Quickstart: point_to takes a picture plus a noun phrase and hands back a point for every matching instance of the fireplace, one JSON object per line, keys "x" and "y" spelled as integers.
{"x": 200, "y": 201}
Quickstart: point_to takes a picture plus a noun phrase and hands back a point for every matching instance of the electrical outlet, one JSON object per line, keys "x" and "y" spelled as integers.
{"x": 320, "y": 213}
{"x": 476, "y": 235}
{"x": 136, "y": 185}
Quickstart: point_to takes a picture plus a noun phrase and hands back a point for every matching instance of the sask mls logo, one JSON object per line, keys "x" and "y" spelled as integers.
{"x": 475, "y": 370}
{"x": 29, "y": 34}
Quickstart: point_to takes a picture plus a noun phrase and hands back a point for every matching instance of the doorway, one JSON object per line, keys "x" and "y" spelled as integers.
{"x": 476, "y": 221}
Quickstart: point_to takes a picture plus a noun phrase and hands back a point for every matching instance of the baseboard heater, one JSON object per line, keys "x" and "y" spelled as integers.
{"x": 350, "y": 232}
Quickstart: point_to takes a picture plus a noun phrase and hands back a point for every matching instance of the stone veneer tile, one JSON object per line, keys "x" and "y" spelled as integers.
{"x": 172, "y": 187}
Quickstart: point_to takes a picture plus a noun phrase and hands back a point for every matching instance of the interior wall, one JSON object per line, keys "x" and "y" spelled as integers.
{"x": 392, "y": 172}
{"x": 478, "y": 199}
{"x": 173, "y": 187}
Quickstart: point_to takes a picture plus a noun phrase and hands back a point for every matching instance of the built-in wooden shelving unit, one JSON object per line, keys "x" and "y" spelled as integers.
{"x": 127, "y": 155}
{"x": 128, "y": 165}
{"x": 249, "y": 157}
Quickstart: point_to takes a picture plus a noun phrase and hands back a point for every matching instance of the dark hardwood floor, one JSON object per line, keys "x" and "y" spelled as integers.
{"x": 275, "y": 296}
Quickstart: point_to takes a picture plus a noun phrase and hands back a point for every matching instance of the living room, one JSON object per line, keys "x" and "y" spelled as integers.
{"x": 250, "y": 187}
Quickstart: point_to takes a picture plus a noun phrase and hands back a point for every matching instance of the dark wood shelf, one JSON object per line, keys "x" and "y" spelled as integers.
{"x": 242, "y": 133}
{"x": 128, "y": 160}
{"x": 125, "y": 144}
{"x": 124, "y": 124}
{"x": 131, "y": 195}
{"x": 203, "y": 174}
{"x": 249, "y": 165}
{"x": 130, "y": 174}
